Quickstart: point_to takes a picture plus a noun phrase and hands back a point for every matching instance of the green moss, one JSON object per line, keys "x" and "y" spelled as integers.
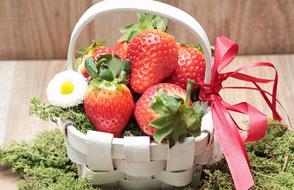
{"x": 217, "y": 179}
{"x": 47, "y": 150}
{"x": 43, "y": 164}
{"x": 272, "y": 164}
{"x": 55, "y": 113}
{"x": 44, "y": 178}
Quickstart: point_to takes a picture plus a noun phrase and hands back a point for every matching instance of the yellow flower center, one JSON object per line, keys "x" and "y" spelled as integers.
{"x": 67, "y": 88}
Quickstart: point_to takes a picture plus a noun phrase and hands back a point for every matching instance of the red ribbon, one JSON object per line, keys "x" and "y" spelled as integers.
{"x": 227, "y": 131}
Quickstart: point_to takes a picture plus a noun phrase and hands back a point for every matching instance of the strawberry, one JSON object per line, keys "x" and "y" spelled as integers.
{"x": 121, "y": 49}
{"x": 108, "y": 101}
{"x": 143, "y": 111}
{"x": 165, "y": 111}
{"x": 191, "y": 65}
{"x": 153, "y": 55}
{"x": 145, "y": 21}
{"x": 102, "y": 50}
{"x": 83, "y": 71}
{"x": 95, "y": 50}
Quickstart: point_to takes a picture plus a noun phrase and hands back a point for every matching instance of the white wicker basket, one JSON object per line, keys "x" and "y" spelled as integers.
{"x": 137, "y": 162}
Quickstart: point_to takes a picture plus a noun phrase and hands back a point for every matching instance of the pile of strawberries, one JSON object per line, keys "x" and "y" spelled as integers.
{"x": 149, "y": 64}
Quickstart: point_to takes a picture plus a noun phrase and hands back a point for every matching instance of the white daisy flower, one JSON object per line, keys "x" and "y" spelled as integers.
{"x": 67, "y": 89}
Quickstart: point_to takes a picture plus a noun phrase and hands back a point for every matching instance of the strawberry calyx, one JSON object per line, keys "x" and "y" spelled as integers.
{"x": 89, "y": 50}
{"x": 84, "y": 53}
{"x": 145, "y": 21}
{"x": 108, "y": 69}
{"x": 103, "y": 84}
{"x": 178, "y": 118}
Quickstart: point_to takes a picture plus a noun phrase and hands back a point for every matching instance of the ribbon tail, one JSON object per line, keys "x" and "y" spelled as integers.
{"x": 257, "y": 122}
{"x": 232, "y": 146}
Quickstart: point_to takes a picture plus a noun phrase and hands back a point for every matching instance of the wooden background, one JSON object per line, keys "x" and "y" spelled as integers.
{"x": 40, "y": 29}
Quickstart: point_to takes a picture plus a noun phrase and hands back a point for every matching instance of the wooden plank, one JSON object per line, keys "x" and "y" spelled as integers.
{"x": 30, "y": 79}
{"x": 6, "y": 74}
{"x": 285, "y": 69}
{"x": 40, "y": 29}
{"x": 259, "y": 27}
{"x": 8, "y": 181}
{"x": 24, "y": 80}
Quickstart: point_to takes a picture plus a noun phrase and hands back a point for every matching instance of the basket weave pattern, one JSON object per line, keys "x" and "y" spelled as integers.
{"x": 136, "y": 162}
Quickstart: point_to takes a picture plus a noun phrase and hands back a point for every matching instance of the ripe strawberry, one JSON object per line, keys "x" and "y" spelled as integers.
{"x": 144, "y": 114}
{"x": 108, "y": 102}
{"x": 83, "y": 71}
{"x": 191, "y": 66}
{"x": 95, "y": 50}
{"x": 153, "y": 55}
{"x": 165, "y": 110}
{"x": 145, "y": 21}
{"x": 121, "y": 49}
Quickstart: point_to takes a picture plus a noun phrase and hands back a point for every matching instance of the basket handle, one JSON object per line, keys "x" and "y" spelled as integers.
{"x": 148, "y": 6}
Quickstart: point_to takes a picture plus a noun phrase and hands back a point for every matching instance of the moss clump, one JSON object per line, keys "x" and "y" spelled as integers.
{"x": 43, "y": 164}
{"x": 53, "y": 113}
{"x": 43, "y": 178}
{"x": 272, "y": 164}
{"x": 47, "y": 150}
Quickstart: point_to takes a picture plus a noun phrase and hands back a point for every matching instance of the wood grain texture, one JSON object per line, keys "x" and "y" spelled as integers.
{"x": 40, "y": 29}
{"x": 259, "y": 27}
{"x": 283, "y": 64}
{"x": 30, "y": 78}
{"x": 34, "y": 29}
{"x": 8, "y": 180}
{"x": 6, "y": 74}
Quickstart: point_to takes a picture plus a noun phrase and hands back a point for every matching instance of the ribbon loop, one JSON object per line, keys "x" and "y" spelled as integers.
{"x": 230, "y": 137}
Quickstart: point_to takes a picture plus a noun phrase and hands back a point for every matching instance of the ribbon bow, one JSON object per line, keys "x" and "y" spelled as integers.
{"x": 227, "y": 131}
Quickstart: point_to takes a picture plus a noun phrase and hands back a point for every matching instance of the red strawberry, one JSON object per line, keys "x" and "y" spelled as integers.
{"x": 165, "y": 111}
{"x": 83, "y": 71}
{"x": 121, "y": 49}
{"x": 145, "y": 21}
{"x": 95, "y": 50}
{"x": 153, "y": 55}
{"x": 108, "y": 102}
{"x": 144, "y": 114}
{"x": 102, "y": 50}
{"x": 191, "y": 65}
